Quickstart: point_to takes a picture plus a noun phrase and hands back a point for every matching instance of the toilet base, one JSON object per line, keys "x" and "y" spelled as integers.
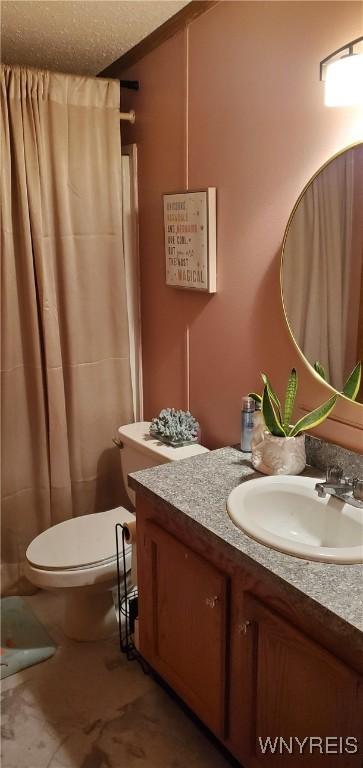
{"x": 89, "y": 615}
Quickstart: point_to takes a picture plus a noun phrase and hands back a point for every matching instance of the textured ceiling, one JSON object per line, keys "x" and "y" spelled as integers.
{"x": 79, "y": 36}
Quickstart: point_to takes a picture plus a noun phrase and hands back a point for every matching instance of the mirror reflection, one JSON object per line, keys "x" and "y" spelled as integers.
{"x": 322, "y": 269}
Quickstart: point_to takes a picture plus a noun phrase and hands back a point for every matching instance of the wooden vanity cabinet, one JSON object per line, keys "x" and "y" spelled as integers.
{"x": 244, "y": 670}
{"x": 183, "y": 622}
{"x": 298, "y": 689}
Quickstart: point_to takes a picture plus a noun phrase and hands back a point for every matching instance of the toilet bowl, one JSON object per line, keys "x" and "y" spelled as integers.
{"x": 78, "y": 557}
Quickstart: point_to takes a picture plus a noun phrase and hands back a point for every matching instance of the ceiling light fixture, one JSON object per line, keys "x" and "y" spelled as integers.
{"x": 342, "y": 73}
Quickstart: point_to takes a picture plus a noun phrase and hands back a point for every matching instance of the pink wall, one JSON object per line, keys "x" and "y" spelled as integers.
{"x": 234, "y": 101}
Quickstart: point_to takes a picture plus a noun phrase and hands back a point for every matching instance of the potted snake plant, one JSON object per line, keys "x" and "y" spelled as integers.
{"x": 278, "y": 447}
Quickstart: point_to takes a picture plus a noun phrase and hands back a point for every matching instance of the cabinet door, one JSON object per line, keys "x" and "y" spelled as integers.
{"x": 300, "y": 690}
{"x": 182, "y": 611}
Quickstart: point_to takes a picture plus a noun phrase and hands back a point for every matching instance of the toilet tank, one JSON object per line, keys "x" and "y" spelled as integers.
{"x": 139, "y": 451}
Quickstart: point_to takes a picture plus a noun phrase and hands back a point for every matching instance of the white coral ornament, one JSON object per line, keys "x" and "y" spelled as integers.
{"x": 279, "y": 455}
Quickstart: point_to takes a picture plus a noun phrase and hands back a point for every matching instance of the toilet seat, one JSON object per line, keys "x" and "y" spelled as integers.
{"x": 78, "y": 552}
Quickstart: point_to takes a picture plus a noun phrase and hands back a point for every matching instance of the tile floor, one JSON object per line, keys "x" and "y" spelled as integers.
{"x": 87, "y": 707}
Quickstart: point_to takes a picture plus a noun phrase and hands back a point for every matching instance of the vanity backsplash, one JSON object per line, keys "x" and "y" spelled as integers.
{"x": 320, "y": 454}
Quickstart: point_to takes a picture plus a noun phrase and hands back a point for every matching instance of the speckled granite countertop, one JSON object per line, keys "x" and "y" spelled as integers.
{"x": 199, "y": 488}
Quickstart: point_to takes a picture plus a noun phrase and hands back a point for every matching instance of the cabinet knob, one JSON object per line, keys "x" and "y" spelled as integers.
{"x": 242, "y": 628}
{"x": 211, "y": 601}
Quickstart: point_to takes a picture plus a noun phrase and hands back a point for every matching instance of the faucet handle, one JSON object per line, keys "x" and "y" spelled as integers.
{"x": 334, "y": 474}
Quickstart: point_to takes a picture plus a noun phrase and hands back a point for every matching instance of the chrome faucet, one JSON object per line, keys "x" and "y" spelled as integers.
{"x": 348, "y": 489}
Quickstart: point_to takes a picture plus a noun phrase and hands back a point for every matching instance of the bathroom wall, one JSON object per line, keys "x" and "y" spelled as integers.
{"x": 234, "y": 101}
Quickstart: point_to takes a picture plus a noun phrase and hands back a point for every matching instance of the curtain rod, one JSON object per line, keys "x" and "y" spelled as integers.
{"x": 130, "y": 116}
{"x": 132, "y": 85}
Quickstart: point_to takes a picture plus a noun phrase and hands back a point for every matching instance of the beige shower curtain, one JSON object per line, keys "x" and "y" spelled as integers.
{"x": 317, "y": 264}
{"x": 65, "y": 350}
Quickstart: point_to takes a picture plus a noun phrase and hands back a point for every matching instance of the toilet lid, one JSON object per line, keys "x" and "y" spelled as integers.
{"x": 79, "y": 542}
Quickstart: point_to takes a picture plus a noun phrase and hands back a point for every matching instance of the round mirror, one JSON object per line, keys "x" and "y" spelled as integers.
{"x": 322, "y": 269}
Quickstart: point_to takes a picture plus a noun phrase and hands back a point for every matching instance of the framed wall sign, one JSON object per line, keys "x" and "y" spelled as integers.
{"x": 190, "y": 240}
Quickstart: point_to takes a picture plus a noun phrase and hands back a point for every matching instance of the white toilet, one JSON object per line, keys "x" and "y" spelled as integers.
{"x": 78, "y": 556}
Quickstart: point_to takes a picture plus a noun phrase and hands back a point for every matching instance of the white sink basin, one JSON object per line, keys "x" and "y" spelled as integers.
{"x": 285, "y": 513}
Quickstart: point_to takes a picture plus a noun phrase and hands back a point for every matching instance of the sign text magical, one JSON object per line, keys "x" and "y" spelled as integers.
{"x": 190, "y": 247}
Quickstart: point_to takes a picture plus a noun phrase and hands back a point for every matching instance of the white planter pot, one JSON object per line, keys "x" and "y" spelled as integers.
{"x": 279, "y": 455}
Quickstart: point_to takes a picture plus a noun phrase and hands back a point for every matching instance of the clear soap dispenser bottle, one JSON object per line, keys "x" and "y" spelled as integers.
{"x": 259, "y": 427}
{"x": 247, "y": 411}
